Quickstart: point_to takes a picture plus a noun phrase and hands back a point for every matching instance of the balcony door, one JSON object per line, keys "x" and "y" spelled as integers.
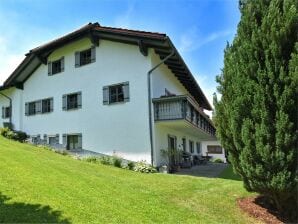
{"x": 72, "y": 142}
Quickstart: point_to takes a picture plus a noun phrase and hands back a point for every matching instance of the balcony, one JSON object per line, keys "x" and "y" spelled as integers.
{"x": 183, "y": 108}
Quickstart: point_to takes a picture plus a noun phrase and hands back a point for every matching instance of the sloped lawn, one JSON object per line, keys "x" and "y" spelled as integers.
{"x": 37, "y": 185}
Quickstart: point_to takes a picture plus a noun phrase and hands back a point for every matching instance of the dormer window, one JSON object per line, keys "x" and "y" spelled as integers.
{"x": 85, "y": 57}
{"x": 55, "y": 67}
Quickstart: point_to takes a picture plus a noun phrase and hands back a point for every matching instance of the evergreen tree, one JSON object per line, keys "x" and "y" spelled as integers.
{"x": 257, "y": 115}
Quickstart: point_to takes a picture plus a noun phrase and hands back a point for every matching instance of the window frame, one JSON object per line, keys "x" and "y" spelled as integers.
{"x": 191, "y": 146}
{"x": 124, "y": 95}
{"x": 119, "y": 96}
{"x": 60, "y": 66}
{"x": 72, "y": 105}
{"x": 49, "y": 106}
{"x": 89, "y": 58}
{"x": 31, "y": 113}
{"x": 214, "y": 151}
{"x": 199, "y": 147}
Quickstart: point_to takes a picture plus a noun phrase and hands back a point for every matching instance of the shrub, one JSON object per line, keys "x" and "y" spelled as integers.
{"x": 217, "y": 160}
{"x": 105, "y": 160}
{"x": 131, "y": 165}
{"x": 3, "y": 131}
{"x": 14, "y": 135}
{"x": 144, "y": 167}
{"x": 117, "y": 161}
{"x": 20, "y": 136}
{"x": 91, "y": 159}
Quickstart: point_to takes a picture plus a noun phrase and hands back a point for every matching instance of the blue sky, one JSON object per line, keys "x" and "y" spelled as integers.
{"x": 199, "y": 29}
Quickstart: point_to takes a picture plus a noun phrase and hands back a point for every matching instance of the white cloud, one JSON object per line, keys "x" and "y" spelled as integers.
{"x": 191, "y": 40}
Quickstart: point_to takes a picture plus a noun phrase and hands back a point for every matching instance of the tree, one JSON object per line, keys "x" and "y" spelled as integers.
{"x": 257, "y": 114}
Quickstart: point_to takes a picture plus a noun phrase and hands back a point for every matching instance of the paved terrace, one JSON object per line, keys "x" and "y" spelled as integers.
{"x": 207, "y": 170}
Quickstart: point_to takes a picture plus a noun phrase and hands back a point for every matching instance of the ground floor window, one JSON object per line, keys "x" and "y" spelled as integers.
{"x": 191, "y": 147}
{"x": 214, "y": 149}
{"x": 199, "y": 147}
{"x": 72, "y": 141}
{"x": 184, "y": 144}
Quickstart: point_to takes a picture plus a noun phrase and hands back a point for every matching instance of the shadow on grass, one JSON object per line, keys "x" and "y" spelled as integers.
{"x": 229, "y": 174}
{"x": 18, "y": 212}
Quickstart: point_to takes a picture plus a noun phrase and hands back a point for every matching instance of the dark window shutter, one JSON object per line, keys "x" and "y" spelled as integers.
{"x": 45, "y": 139}
{"x": 105, "y": 95}
{"x": 26, "y": 109}
{"x": 50, "y": 68}
{"x": 64, "y": 140}
{"x": 80, "y": 141}
{"x": 57, "y": 138}
{"x": 77, "y": 59}
{"x": 51, "y": 104}
{"x": 64, "y": 102}
{"x": 126, "y": 91}
{"x": 38, "y": 106}
{"x": 62, "y": 64}
{"x": 93, "y": 54}
{"x": 79, "y": 99}
{"x": 3, "y": 112}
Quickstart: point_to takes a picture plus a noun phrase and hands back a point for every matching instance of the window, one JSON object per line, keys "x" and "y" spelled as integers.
{"x": 214, "y": 149}
{"x": 116, "y": 93}
{"x": 5, "y": 112}
{"x": 184, "y": 144}
{"x": 55, "y": 67}
{"x": 47, "y": 105}
{"x": 39, "y": 106}
{"x": 72, "y": 141}
{"x": 32, "y": 108}
{"x": 191, "y": 147}
{"x": 72, "y": 101}
{"x": 198, "y": 147}
{"x": 53, "y": 140}
{"x": 35, "y": 139}
{"x": 85, "y": 57}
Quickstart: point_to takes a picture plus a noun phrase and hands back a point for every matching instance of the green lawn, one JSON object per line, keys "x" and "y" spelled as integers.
{"x": 229, "y": 174}
{"x": 37, "y": 185}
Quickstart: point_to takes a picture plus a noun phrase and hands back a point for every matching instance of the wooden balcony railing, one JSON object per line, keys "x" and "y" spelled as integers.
{"x": 182, "y": 107}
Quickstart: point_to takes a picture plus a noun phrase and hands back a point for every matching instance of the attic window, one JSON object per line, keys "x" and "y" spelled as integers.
{"x": 55, "y": 67}
{"x": 85, "y": 57}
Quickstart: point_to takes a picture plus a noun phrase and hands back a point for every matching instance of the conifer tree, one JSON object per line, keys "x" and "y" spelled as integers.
{"x": 257, "y": 115}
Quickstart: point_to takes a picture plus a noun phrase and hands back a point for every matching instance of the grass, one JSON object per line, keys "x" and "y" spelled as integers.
{"x": 39, "y": 186}
{"x": 228, "y": 173}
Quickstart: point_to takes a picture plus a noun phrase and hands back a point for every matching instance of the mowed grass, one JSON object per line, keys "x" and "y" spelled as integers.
{"x": 40, "y": 186}
{"x": 229, "y": 174}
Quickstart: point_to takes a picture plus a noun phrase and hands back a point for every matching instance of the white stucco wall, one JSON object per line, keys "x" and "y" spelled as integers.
{"x": 121, "y": 128}
{"x": 16, "y": 96}
{"x": 204, "y": 150}
{"x": 163, "y": 78}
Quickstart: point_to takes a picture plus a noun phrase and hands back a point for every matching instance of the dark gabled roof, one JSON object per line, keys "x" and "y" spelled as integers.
{"x": 161, "y": 44}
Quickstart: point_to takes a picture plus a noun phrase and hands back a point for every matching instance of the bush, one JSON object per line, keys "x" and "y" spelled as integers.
{"x": 20, "y": 136}
{"x": 131, "y": 165}
{"x": 217, "y": 160}
{"x": 144, "y": 167}
{"x": 117, "y": 161}
{"x": 14, "y": 135}
{"x": 105, "y": 160}
{"x": 91, "y": 159}
{"x": 3, "y": 131}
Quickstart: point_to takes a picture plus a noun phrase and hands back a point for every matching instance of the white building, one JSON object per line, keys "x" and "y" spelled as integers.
{"x": 94, "y": 89}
